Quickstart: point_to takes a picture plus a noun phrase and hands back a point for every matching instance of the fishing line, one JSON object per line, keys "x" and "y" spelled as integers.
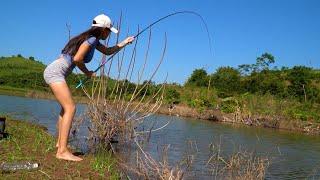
{"x": 148, "y": 27}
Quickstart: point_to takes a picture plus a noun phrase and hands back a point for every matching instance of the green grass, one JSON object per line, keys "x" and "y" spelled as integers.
{"x": 30, "y": 142}
{"x": 13, "y": 91}
{"x": 21, "y": 134}
{"x": 269, "y": 105}
{"x": 103, "y": 161}
{"x": 19, "y": 66}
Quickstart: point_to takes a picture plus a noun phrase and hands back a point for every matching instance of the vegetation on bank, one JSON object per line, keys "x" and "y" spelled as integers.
{"x": 256, "y": 89}
{"x": 252, "y": 90}
{"x": 31, "y": 143}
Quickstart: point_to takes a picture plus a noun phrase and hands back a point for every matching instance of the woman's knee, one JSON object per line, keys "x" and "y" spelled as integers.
{"x": 70, "y": 108}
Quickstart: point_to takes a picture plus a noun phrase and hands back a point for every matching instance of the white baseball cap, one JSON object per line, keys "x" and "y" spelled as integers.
{"x": 104, "y": 21}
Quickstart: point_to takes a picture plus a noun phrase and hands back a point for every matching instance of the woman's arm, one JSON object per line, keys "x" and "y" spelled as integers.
{"x": 111, "y": 50}
{"x": 78, "y": 59}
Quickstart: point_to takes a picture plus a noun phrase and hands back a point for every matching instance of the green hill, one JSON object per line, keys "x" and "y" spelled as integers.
{"x": 19, "y": 65}
{"x": 20, "y": 72}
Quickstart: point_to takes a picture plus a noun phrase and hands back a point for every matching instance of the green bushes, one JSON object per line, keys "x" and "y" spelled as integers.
{"x": 229, "y": 105}
{"x": 199, "y": 78}
{"x": 304, "y": 112}
{"x": 200, "y": 103}
{"x": 227, "y": 81}
{"x": 301, "y": 86}
{"x": 172, "y": 96}
{"x": 300, "y": 82}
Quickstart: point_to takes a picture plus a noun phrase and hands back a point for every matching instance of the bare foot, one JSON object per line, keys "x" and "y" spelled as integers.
{"x": 68, "y": 156}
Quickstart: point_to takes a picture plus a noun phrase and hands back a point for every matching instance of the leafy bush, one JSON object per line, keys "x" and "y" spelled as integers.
{"x": 265, "y": 82}
{"x": 199, "y": 78}
{"x": 300, "y": 79}
{"x": 229, "y": 105}
{"x": 227, "y": 81}
{"x": 303, "y": 113}
{"x": 200, "y": 103}
{"x": 172, "y": 96}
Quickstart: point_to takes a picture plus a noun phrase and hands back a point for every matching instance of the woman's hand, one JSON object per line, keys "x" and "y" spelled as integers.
{"x": 111, "y": 50}
{"x": 90, "y": 74}
{"x": 126, "y": 41}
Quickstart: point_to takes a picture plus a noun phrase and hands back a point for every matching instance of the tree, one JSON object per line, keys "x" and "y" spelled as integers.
{"x": 300, "y": 79}
{"x": 245, "y": 69}
{"x": 266, "y": 81}
{"x": 31, "y": 58}
{"x": 227, "y": 81}
{"x": 199, "y": 77}
{"x": 262, "y": 63}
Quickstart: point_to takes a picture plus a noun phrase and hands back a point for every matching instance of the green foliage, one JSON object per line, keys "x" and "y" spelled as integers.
{"x": 227, "y": 81}
{"x": 262, "y": 63}
{"x": 304, "y": 112}
{"x": 199, "y": 78}
{"x": 172, "y": 96}
{"x": 229, "y": 105}
{"x": 31, "y": 58}
{"x": 265, "y": 82}
{"x": 270, "y": 105}
{"x": 199, "y": 103}
{"x": 300, "y": 80}
{"x": 105, "y": 162}
{"x": 313, "y": 94}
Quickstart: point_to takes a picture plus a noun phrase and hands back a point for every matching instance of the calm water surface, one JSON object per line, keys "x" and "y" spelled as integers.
{"x": 293, "y": 155}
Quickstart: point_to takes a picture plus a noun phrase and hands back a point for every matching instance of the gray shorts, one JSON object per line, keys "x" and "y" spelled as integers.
{"x": 57, "y": 71}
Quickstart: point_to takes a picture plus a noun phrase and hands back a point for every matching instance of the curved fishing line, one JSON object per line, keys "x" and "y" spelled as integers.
{"x": 148, "y": 27}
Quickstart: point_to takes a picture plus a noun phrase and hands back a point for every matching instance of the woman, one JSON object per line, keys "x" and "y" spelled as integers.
{"x": 78, "y": 51}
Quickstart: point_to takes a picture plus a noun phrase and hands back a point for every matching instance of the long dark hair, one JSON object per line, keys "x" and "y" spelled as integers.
{"x": 74, "y": 43}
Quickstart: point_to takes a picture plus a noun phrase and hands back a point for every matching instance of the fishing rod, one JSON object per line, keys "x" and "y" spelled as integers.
{"x": 146, "y": 28}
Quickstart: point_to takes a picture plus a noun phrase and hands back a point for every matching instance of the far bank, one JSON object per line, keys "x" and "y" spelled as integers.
{"x": 240, "y": 116}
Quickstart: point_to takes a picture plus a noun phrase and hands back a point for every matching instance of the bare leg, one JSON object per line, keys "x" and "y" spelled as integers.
{"x": 63, "y": 95}
{"x": 58, "y": 125}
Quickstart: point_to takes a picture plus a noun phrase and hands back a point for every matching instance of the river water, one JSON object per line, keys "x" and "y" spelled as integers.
{"x": 292, "y": 155}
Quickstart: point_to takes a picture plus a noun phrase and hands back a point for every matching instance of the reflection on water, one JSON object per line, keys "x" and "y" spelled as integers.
{"x": 293, "y": 155}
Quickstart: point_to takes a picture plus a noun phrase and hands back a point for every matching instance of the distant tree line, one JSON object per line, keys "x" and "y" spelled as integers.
{"x": 299, "y": 82}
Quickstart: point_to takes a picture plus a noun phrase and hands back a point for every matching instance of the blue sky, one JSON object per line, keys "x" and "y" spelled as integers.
{"x": 240, "y": 30}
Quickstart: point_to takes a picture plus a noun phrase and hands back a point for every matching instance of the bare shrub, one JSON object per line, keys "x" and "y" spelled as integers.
{"x": 242, "y": 164}
{"x": 118, "y": 109}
